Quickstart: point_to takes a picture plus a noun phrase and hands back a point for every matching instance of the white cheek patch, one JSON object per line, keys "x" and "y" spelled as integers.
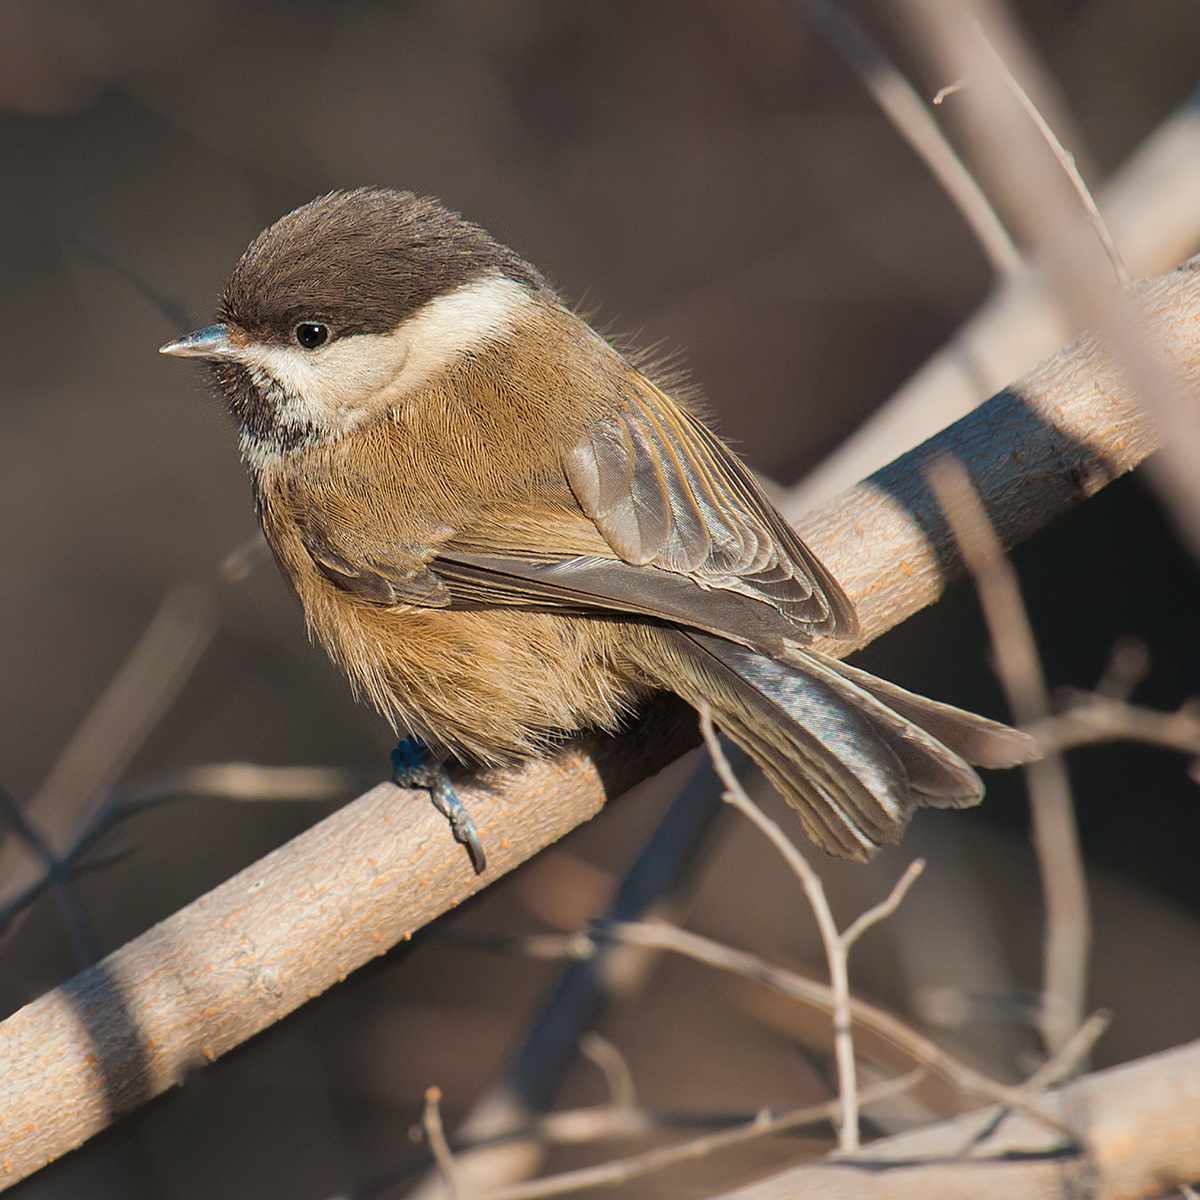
{"x": 337, "y": 387}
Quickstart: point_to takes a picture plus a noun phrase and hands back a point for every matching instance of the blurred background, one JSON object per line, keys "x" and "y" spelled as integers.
{"x": 708, "y": 177}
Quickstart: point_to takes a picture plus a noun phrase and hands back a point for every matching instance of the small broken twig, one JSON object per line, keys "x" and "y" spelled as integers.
{"x": 435, "y": 1134}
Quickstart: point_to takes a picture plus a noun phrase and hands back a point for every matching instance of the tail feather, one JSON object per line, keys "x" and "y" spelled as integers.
{"x": 936, "y": 773}
{"x": 853, "y": 758}
{"x": 977, "y": 740}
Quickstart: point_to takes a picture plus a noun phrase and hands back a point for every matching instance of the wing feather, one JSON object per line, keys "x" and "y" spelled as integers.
{"x": 665, "y": 492}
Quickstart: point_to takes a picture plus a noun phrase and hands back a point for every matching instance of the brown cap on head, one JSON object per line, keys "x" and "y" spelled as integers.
{"x": 360, "y": 262}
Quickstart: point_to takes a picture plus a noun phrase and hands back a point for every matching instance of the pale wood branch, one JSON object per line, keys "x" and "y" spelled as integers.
{"x": 1140, "y": 1136}
{"x": 291, "y": 925}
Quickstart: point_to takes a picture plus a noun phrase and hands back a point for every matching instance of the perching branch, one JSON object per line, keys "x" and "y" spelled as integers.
{"x": 306, "y": 915}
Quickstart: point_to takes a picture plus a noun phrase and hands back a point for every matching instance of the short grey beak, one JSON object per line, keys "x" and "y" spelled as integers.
{"x": 204, "y": 343}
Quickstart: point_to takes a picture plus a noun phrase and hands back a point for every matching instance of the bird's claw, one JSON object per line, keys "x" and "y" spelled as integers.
{"x": 414, "y": 765}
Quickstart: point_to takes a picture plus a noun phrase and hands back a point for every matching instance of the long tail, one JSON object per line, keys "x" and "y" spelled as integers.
{"x": 853, "y": 754}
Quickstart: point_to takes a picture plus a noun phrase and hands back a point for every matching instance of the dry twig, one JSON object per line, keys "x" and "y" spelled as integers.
{"x": 1152, "y": 208}
{"x": 1143, "y": 1138}
{"x": 891, "y": 1030}
{"x": 113, "y": 731}
{"x": 431, "y": 1120}
{"x": 904, "y": 108}
{"x": 1066, "y": 160}
{"x": 599, "y": 1050}
{"x": 1055, "y": 834}
{"x": 622, "y": 1170}
{"x": 837, "y": 944}
{"x": 1045, "y": 203}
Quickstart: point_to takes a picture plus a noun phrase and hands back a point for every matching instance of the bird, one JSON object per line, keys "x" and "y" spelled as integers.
{"x": 507, "y": 531}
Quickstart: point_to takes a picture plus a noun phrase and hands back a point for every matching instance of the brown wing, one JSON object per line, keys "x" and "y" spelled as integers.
{"x": 673, "y": 526}
{"x": 667, "y": 493}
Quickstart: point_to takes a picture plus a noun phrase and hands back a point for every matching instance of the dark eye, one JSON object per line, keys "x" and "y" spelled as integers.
{"x": 311, "y": 334}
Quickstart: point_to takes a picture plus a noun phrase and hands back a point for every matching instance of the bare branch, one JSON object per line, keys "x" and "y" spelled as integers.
{"x": 1128, "y": 665}
{"x": 1068, "y": 1060}
{"x": 1067, "y": 161}
{"x": 835, "y": 948}
{"x": 1143, "y": 1138}
{"x": 1045, "y": 205}
{"x": 118, "y": 722}
{"x": 1055, "y": 834}
{"x": 622, "y": 1170}
{"x": 1097, "y": 719}
{"x": 885, "y": 907}
{"x": 905, "y": 109}
{"x": 894, "y": 1032}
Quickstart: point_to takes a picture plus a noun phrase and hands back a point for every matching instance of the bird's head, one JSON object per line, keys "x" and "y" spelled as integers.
{"x": 342, "y": 307}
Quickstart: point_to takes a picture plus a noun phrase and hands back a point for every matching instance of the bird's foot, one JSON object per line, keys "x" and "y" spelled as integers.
{"x": 414, "y": 765}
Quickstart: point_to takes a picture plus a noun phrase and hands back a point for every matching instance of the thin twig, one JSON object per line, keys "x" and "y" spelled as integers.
{"x": 241, "y": 560}
{"x": 1066, "y": 160}
{"x": 835, "y": 952}
{"x": 552, "y": 946}
{"x": 621, "y": 1170}
{"x": 599, "y": 1050}
{"x": 69, "y": 806}
{"x": 1152, "y": 206}
{"x": 1128, "y": 665}
{"x": 58, "y": 875}
{"x": 1072, "y": 1055}
{"x": 895, "y": 1032}
{"x": 837, "y": 945}
{"x": 435, "y": 1134}
{"x": 904, "y": 107}
{"x": 229, "y": 781}
{"x": 1097, "y": 719}
{"x": 113, "y": 730}
{"x": 1055, "y": 835}
{"x": 118, "y": 723}
{"x": 1043, "y": 202}
{"x": 884, "y": 908}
